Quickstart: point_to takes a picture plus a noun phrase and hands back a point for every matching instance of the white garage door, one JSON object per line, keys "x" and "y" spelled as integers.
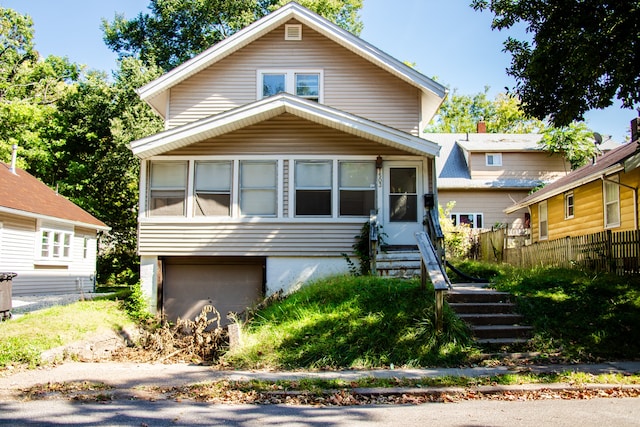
{"x": 230, "y": 285}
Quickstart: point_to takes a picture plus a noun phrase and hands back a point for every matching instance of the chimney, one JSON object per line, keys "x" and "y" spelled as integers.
{"x": 482, "y": 126}
{"x": 14, "y": 155}
{"x": 635, "y": 130}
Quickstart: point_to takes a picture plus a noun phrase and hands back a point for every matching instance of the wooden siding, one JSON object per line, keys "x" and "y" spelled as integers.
{"x": 351, "y": 83}
{"x": 18, "y": 239}
{"x": 248, "y": 239}
{"x": 588, "y": 210}
{"x": 287, "y": 134}
{"x": 490, "y": 203}
{"x": 526, "y": 165}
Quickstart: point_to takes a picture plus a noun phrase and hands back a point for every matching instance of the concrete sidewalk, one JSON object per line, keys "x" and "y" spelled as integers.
{"x": 134, "y": 375}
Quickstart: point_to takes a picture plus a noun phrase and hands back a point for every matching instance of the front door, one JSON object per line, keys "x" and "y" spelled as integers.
{"x": 402, "y": 207}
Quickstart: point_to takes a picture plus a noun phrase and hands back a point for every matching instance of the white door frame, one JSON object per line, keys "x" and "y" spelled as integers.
{"x": 401, "y": 233}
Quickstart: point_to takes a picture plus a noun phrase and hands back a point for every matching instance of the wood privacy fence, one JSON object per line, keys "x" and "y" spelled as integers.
{"x": 606, "y": 251}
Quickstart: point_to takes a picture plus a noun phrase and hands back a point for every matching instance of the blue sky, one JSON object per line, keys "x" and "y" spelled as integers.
{"x": 445, "y": 39}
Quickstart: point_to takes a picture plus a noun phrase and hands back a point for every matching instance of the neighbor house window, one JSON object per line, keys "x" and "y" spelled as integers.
{"x": 168, "y": 188}
{"x": 357, "y": 182}
{"x": 473, "y": 220}
{"x": 313, "y": 182}
{"x": 213, "y": 188}
{"x": 305, "y": 84}
{"x": 568, "y": 205}
{"x": 611, "y": 203}
{"x": 85, "y": 247}
{"x": 258, "y": 188}
{"x": 55, "y": 244}
{"x": 493, "y": 159}
{"x": 543, "y": 230}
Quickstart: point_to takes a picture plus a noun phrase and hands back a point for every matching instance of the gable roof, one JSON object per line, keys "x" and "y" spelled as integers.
{"x": 23, "y": 194}
{"x": 155, "y": 93}
{"x": 273, "y": 106}
{"x": 611, "y": 162}
{"x": 452, "y": 168}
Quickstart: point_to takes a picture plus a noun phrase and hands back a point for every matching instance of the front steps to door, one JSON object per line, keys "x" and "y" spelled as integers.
{"x": 398, "y": 262}
{"x": 490, "y": 314}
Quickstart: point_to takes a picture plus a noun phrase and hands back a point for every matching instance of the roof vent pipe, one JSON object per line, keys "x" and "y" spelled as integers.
{"x": 14, "y": 155}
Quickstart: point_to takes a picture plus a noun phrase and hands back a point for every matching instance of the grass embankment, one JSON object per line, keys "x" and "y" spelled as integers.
{"x": 352, "y": 322}
{"x": 22, "y": 340}
{"x": 583, "y": 316}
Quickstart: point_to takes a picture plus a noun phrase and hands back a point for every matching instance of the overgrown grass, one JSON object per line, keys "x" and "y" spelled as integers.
{"x": 352, "y": 322}
{"x": 584, "y": 316}
{"x": 22, "y": 340}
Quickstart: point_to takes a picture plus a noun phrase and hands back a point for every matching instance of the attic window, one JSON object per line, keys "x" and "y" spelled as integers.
{"x": 493, "y": 159}
{"x": 293, "y": 32}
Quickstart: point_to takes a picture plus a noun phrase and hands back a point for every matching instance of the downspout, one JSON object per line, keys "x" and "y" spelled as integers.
{"x": 635, "y": 197}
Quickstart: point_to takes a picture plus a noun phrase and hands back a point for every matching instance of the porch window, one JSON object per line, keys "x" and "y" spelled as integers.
{"x": 213, "y": 188}
{"x": 568, "y": 205}
{"x": 611, "y": 203}
{"x": 357, "y": 188}
{"x": 168, "y": 184}
{"x": 258, "y": 188}
{"x": 403, "y": 195}
{"x": 543, "y": 230}
{"x": 313, "y": 181}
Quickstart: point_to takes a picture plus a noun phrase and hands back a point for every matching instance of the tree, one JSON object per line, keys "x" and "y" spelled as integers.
{"x": 461, "y": 113}
{"x": 574, "y": 142}
{"x": 583, "y": 53}
{"x": 177, "y": 30}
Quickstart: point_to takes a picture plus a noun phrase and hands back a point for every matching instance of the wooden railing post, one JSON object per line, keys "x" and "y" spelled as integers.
{"x": 373, "y": 241}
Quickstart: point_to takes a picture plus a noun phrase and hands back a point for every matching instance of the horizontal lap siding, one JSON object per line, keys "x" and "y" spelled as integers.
{"x": 490, "y": 204}
{"x": 528, "y": 165}
{"x": 351, "y": 83}
{"x": 247, "y": 239}
{"x": 17, "y": 243}
{"x": 287, "y": 134}
{"x": 588, "y": 212}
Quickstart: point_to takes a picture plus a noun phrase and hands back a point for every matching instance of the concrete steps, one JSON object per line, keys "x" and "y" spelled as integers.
{"x": 490, "y": 314}
{"x": 398, "y": 263}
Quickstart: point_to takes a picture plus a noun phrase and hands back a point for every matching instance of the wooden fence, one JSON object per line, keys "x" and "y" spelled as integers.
{"x": 607, "y": 251}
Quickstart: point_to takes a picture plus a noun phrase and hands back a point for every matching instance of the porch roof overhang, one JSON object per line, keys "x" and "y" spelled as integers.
{"x": 156, "y": 92}
{"x": 274, "y": 106}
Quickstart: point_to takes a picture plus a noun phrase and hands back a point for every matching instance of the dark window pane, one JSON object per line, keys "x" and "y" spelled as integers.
{"x": 313, "y": 202}
{"x": 356, "y": 202}
{"x": 402, "y": 180}
{"x": 404, "y": 208}
{"x": 167, "y": 203}
{"x": 213, "y": 204}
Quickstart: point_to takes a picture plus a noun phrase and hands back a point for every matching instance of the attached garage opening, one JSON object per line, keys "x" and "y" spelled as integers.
{"x": 229, "y": 284}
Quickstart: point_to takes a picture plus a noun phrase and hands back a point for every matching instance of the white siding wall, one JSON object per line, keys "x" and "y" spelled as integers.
{"x": 19, "y": 246}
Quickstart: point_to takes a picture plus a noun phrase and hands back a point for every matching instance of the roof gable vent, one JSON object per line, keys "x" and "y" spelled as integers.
{"x": 293, "y": 32}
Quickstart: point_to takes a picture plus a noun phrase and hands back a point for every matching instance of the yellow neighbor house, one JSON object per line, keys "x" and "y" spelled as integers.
{"x": 599, "y": 196}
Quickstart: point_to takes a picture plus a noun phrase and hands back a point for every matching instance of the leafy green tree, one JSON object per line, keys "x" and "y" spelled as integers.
{"x": 177, "y": 30}
{"x": 96, "y": 168}
{"x": 504, "y": 114}
{"x": 574, "y": 142}
{"x": 583, "y": 53}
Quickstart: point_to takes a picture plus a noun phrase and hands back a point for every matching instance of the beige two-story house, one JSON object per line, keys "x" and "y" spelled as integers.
{"x": 280, "y": 141}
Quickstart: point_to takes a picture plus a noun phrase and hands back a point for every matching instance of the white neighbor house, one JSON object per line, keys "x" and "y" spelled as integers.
{"x": 279, "y": 142}
{"x": 47, "y": 240}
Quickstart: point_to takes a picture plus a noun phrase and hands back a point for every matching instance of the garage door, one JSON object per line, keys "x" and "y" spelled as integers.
{"x": 230, "y": 285}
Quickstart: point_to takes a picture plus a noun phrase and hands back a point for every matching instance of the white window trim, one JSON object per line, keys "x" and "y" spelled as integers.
{"x": 615, "y": 182}
{"x": 496, "y": 156}
{"x": 290, "y": 84}
{"x": 50, "y": 259}
{"x": 546, "y": 219}
{"x": 475, "y": 217}
{"x": 566, "y": 205}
